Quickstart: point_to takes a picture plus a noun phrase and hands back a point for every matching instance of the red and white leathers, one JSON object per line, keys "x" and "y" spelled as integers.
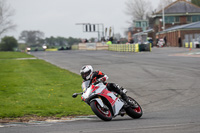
{"x": 98, "y": 75}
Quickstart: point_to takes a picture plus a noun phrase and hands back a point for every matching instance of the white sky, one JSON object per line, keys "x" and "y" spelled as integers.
{"x": 58, "y": 17}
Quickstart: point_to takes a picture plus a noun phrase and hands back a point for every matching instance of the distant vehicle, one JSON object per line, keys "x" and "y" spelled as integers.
{"x": 28, "y": 49}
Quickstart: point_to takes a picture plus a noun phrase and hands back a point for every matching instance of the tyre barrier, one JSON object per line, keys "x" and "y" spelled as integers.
{"x": 54, "y": 49}
{"x": 192, "y": 45}
{"x": 129, "y": 47}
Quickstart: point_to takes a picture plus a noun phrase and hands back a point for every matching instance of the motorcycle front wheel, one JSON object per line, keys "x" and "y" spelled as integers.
{"x": 103, "y": 114}
{"x": 134, "y": 112}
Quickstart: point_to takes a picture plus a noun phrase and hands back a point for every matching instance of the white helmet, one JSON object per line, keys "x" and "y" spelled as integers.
{"x": 86, "y": 72}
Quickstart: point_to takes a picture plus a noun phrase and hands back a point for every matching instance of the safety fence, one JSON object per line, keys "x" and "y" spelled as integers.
{"x": 129, "y": 47}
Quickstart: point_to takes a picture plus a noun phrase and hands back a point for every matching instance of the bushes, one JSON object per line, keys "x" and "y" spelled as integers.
{"x": 8, "y": 44}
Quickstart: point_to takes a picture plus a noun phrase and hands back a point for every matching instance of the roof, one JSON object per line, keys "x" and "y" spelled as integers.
{"x": 180, "y": 6}
{"x": 195, "y": 25}
{"x": 146, "y": 31}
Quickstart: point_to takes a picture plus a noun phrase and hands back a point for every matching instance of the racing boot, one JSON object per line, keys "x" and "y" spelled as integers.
{"x": 126, "y": 99}
{"x": 122, "y": 92}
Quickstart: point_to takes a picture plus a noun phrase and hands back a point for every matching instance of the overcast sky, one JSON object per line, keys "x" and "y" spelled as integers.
{"x": 58, "y": 17}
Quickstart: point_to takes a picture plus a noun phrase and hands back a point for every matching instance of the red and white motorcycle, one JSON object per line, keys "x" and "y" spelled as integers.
{"x": 106, "y": 104}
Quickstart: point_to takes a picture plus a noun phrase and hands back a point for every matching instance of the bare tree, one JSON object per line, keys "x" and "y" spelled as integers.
{"x": 6, "y": 14}
{"x": 138, "y": 9}
{"x": 117, "y": 36}
{"x": 164, "y": 3}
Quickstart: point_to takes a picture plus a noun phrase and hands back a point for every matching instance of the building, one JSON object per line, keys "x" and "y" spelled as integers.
{"x": 139, "y": 26}
{"x": 178, "y": 36}
{"x": 178, "y": 13}
{"x": 142, "y": 37}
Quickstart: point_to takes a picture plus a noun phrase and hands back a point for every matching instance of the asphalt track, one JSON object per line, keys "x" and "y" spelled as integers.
{"x": 165, "y": 82}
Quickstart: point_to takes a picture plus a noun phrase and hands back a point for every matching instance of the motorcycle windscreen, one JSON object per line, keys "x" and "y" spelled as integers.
{"x": 85, "y": 85}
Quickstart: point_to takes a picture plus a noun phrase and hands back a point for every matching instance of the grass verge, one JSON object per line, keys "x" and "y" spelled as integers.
{"x": 14, "y": 55}
{"x": 37, "y": 88}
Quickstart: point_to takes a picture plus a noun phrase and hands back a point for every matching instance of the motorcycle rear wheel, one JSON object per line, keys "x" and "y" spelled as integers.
{"x": 103, "y": 114}
{"x": 134, "y": 113}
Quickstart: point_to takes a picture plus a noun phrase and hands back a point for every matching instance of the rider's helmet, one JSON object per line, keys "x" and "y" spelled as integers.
{"x": 86, "y": 72}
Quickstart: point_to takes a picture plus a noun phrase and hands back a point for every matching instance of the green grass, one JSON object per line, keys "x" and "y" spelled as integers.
{"x": 35, "y": 87}
{"x": 12, "y": 55}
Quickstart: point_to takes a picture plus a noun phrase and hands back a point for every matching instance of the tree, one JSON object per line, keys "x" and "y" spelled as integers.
{"x": 32, "y": 38}
{"x": 138, "y": 9}
{"x": 6, "y": 14}
{"x": 196, "y": 2}
{"x": 117, "y": 36}
{"x": 72, "y": 41}
{"x": 51, "y": 41}
{"x": 61, "y": 41}
{"x": 164, "y": 3}
{"x": 8, "y": 43}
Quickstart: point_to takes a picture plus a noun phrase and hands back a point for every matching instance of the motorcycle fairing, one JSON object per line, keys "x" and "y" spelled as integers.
{"x": 101, "y": 90}
{"x": 116, "y": 103}
{"x": 99, "y": 101}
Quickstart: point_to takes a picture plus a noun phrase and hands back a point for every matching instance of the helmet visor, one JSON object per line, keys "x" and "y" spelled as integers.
{"x": 85, "y": 74}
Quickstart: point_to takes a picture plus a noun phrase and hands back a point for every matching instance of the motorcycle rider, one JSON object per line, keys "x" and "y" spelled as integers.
{"x": 87, "y": 73}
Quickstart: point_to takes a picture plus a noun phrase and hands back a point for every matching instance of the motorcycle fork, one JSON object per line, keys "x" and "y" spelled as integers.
{"x": 104, "y": 106}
